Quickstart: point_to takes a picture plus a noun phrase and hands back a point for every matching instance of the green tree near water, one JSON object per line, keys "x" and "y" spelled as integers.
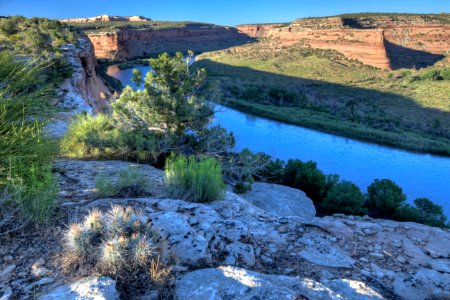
{"x": 171, "y": 100}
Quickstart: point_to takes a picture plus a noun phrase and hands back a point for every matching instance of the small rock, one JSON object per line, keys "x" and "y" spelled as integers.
{"x": 9, "y": 269}
{"x": 368, "y": 231}
{"x": 6, "y": 293}
{"x": 440, "y": 265}
{"x": 152, "y": 295}
{"x": 377, "y": 255}
{"x": 8, "y": 258}
{"x": 44, "y": 281}
{"x": 40, "y": 272}
{"x": 39, "y": 263}
{"x": 396, "y": 243}
{"x": 177, "y": 268}
{"x": 364, "y": 260}
{"x": 333, "y": 239}
{"x": 401, "y": 259}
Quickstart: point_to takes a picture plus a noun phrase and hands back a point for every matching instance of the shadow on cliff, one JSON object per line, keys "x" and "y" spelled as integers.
{"x": 403, "y": 57}
{"x": 386, "y": 111}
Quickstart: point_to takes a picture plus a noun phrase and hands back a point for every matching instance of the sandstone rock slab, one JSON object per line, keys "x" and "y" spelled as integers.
{"x": 281, "y": 200}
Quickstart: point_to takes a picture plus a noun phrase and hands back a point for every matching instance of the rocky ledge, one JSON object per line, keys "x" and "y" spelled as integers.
{"x": 233, "y": 249}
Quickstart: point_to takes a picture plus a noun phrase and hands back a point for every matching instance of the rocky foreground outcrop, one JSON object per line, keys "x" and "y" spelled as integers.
{"x": 232, "y": 249}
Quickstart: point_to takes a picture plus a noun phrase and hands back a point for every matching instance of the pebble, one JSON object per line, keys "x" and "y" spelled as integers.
{"x": 8, "y": 258}
{"x": 377, "y": 255}
{"x": 401, "y": 259}
{"x": 364, "y": 260}
{"x": 39, "y": 263}
{"x": 9, "y": 269}
{"x": 6, "y": 293}
{"x": 333, "y": 239}
{"x": 43, "y": 281}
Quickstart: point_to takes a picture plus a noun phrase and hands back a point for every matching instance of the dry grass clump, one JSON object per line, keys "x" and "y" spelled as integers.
{"x": 118, "y": 243}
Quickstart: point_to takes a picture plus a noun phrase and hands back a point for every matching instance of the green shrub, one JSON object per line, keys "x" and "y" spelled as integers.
{"x": 196, "y": 180}
{"x": 445, "y": 73}
{"x": 130, "y": 183}
{"x": 384, "y": 198}
{"x": 344, "y": 197}
{"x": 425, "y": 212}
{"x": 96, "y": 137}
{"x": 430, "y": 75}
{"x": 306, "y": 177}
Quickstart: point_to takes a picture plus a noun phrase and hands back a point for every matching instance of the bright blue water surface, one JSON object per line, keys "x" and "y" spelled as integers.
{"x": 420, "y": 175}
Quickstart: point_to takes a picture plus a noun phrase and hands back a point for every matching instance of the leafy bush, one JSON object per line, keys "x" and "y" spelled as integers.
{"x": 96, "y": 137}
{"x": 129, "y": 183}
{"x": 424, "y": 212}
{"x": 344, "y": 197}
{"x": 306, "y": 177}
{"x": 196, "y": 180}
{"x": 384, "y": 198}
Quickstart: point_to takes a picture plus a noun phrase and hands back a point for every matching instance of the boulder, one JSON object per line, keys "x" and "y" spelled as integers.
{"x": 237, "y": 283}
{"x": 281, "y": 200}
{"x": 91, "y": 288}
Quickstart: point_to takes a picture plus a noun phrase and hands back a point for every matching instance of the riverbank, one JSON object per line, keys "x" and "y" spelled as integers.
{"x": 322, "y": 90}
{"x": 324, "y": 123}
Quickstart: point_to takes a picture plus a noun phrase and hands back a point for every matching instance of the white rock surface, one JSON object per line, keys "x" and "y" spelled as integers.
{"x": 93, "y": 288}
{"x": 281, "y": 200}
{"x": 236, "y": 283}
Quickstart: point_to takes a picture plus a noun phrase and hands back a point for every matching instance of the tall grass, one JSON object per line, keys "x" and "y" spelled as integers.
{"x": 195, "y": 180}
{"x": 26, "y": 154}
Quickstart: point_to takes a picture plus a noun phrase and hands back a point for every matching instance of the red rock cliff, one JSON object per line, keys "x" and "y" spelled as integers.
{"x": 130, "y": 43}
{"x": 365, "y": 45}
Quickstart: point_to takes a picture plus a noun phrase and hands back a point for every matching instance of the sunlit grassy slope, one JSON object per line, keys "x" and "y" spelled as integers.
{"x": 322, "y": 89}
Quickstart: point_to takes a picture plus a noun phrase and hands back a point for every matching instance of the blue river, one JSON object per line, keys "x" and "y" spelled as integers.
{"x": 420, "y": 175}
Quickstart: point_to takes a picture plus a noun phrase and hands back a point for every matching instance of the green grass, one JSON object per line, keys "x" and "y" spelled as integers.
{"x": 129, "y": 183}
{"x": 336, "y": 95}
{"x": 195, "y": 180}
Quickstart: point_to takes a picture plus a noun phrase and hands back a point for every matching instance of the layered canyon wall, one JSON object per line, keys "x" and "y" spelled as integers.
{"x": 131, "y": 43}
{"x": 365, "y": 45}
{"x": 387, "y": 42}
{"x": 381, "y": 41}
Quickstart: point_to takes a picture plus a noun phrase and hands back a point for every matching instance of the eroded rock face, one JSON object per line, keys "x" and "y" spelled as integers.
{"x": 97, "y": 288}
{"x": 130, "y": 43}
{"x": 381, "y": 41}
{"x": 84, "y": 91}
{"x": 281, "y": 200}
{"x": 237, "y": 283}
{"x": 107, "y": 18}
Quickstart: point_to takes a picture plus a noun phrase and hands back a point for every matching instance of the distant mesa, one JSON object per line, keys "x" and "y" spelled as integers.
{"x": 107, "y": 18}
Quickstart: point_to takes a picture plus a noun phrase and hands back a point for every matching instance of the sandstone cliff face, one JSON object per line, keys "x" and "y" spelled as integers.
{"x": 365, "y": 45}
{"x": 129, "y": 43}
{"x": 84, "y": 91}
{"x": 382, "y": 41}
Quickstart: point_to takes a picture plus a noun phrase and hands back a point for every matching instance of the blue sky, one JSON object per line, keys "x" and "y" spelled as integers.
{"x": 230, "y": 12}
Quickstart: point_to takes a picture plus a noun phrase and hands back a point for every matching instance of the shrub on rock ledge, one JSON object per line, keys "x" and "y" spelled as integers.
{"x": 344, "y": 197}
{"x": 195, "y": 180}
